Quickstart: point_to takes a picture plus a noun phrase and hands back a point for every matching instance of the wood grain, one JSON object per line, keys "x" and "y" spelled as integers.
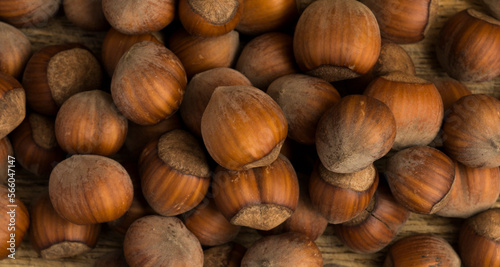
{"x": 59, "y": 30}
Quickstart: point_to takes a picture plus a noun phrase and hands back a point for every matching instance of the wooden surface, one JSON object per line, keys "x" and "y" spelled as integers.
{"x": 59, "y": 30}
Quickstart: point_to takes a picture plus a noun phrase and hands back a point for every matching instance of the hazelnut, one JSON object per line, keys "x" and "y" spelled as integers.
{"x": 404, "y": 21}
{"x": 148, "y": 83}
{"x": 5, "y": 151}
{"x": 12, "y": 236}
{"x": 210, "y": 18}
{"x": 376, "y": 226}
{"x": 422, "y": 250}
{"x": 471, "y": 131}
{"x": 90, "y": 189}
{"x": 288, "y": 249}
{"x": 199, "y": 54}
{"x": 54, "y": 237}
{"x": 478, "y": 240}
{"x": 421, "y": 178}
{"x": 259, "y": 198}
{"x": 132, "y": 17}
{"x": 12, "y": 104}
{"x": 450, "y": 90}
{"x": 89, "y": 122}
{"x": 228, "y": 255}
{"x": 161, "y": 241}
{"x": 35, "y": 145}
{"x": 15, "y": 50}
{"x": 350, "y": 42}
{"x": 475, "y": 190}
{"x": 467, "y": 46}
{"x": 354, "y": 133}
{"x": 174, "y": 173}
{"x": 56, "y": 72}
{"x": 416, "y": 105}
{"x": 208, "y": 224}
{"x": 199, "y": 91}
{"x": 303, "y": 100}
{"x": 393, "y": 58}
{"x": 340, "y": 197}
{"x": 265, "y": 16}
{"x": 115, "y": 44}
{"x": 245, "y": 117}
{"x": 86, "y": 14}
{"x": 266, "y": 58}
{"x": 138, "y": 136}
{"x": 28, "y": 13}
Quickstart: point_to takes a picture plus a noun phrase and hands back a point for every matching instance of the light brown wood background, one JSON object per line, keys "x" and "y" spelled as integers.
{"x": 59, "y": 30}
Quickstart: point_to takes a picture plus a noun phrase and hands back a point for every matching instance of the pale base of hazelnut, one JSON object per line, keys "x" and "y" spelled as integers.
{"x": 262, "y": 216}
{"x": 64, "y": 249}
{"x": 268, "y": 159}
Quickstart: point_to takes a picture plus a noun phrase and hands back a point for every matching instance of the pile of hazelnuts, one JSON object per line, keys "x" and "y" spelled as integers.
{"x": 317, "y": 118}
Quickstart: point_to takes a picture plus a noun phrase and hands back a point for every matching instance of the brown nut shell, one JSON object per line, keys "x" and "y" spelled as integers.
{"x": 148, "y": 83}
{"x": 54, "y": 237}
{"x": 15, "y": 219}
{"x": 89, "y": 122}
{"x": 242, "y": 127}
{"x": 161, "y": 241}
{"x": 288, "y": 249}
{"x": 208, "y": 224}
{"x": 450, "y": 90}
{"x": 422, "y": 250}
{"x": 12, "y": 104}
{"x": 467, "y": 46}
{"x": 326, "y": 57}
{"x": 174, "y": 173}
{"x": 354, "y": 133}
{"x": 471, "y": 131}
{"x": 415, "y": 104}
{"x": 86, "y": 14}
{"x": 266, "y": 58}
{"x": 210, "y": 18}
{"x": 265, "y": 16}
{"x": 28, "y": 13}
{"x": 259, "y": 198}
{"x": 115, "y": 44}
{"x": 35, "y": 145}
{"x": 421, "y": 178}
{"x": 478, "y": 240}
{"x": 15, "y": 50}
{"x": 199, "y": 91}
{"x": 475, "y": 190}
{"x": 89, "y": 189}
{"x": 56, "y": 72}
{"x": 139, "y": 17}
{"x": 376, "y": 226}
{"x": 354, "y": 190}
{"x": 199, "y": 54}
{"x": 228, "y": 255}
{"x": 303, "y": 100}
{"x": 404, "y": 22}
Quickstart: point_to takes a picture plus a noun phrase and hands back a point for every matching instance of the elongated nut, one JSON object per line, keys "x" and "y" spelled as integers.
{"x": 54, "y": 237}
{"x": 260, "y": 198}
{"x": 242, "y": 127}
{"x": 174, "y": 173}
{"x": 15, "y": 50}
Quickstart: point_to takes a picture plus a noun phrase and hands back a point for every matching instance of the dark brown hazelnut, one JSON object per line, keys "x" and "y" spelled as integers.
{"x": 28, "y": 13}
{"x": 15, "y": 50}
{"x": 86, "y": 14}
{"x": 265, "y": 16}
{"x": 12, "y": 104}
{"x": 228, "y": 255}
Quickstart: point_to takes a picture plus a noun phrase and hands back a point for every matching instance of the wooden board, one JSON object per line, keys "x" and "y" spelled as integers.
{"x": 59, "y": 30}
